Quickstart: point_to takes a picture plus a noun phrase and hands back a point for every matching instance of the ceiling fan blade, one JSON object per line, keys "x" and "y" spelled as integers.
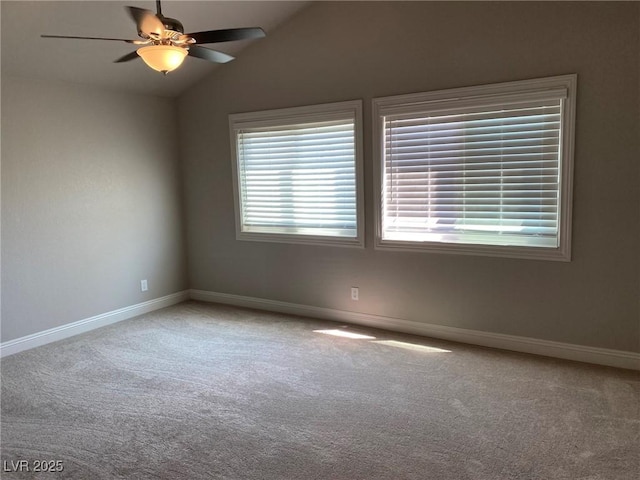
{"x": 227, "y": 35}
{"x": 90, "y": 38}
{"x": 128, "y": 57}
{"x": 146, "y": 21}
{"x": 208, "y": 54}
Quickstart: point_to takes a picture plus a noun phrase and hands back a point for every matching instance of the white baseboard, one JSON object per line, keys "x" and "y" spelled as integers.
{"x": 568, "y": 351}
{"x": 70, "y": 329}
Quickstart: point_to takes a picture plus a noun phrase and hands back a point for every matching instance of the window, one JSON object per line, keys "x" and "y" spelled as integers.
{"x": 478, "y": 170}
{"x": 298, "y": 174}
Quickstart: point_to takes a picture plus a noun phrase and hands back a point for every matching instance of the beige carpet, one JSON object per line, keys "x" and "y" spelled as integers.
{"x": 203, "y": 391}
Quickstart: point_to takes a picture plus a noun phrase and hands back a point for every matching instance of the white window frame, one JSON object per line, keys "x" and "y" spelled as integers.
{"x": 470, "y": 97}
{"x": 293, "y": 116}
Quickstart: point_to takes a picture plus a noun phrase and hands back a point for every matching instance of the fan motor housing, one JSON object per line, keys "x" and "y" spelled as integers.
{"x": 171, "y": 24}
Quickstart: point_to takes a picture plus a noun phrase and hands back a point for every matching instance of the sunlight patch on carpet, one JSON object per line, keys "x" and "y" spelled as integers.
{"x": 346, "y": 334}
{"x": 412, "y": 346}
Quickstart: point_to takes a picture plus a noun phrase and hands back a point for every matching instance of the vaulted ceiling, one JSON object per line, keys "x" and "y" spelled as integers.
{"x": 91, "y": 62}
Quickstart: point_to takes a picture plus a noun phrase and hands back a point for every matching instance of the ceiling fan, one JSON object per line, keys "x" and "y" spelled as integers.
{"x": 164, "y": 45}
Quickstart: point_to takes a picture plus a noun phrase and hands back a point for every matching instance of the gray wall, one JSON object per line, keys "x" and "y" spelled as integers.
{"x": 349, "y": 50}
{"x": 91, "y": 203}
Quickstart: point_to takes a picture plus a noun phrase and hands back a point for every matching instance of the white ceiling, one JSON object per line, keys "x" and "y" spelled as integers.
{"x": 24, "y": 53}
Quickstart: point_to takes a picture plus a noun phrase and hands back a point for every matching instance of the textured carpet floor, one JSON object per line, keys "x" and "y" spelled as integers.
{"x": 199, "y": 391}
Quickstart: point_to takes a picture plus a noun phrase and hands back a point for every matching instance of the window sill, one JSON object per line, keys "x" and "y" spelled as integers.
{"x": 560, "y": 254}
{"x": 320, "y": 240}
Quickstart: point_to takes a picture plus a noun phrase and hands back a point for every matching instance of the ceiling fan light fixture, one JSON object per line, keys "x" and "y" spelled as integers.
{"x": 163, "y": 58}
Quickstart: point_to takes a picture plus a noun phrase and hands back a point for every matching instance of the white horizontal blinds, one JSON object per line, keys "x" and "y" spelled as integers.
{"x": 486, "y": 175}
{"x": 299, "y": 179}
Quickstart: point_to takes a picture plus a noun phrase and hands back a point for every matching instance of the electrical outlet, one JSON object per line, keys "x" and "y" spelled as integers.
{"x": 143, "y": 286}
{"x": 354, "y": 293}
